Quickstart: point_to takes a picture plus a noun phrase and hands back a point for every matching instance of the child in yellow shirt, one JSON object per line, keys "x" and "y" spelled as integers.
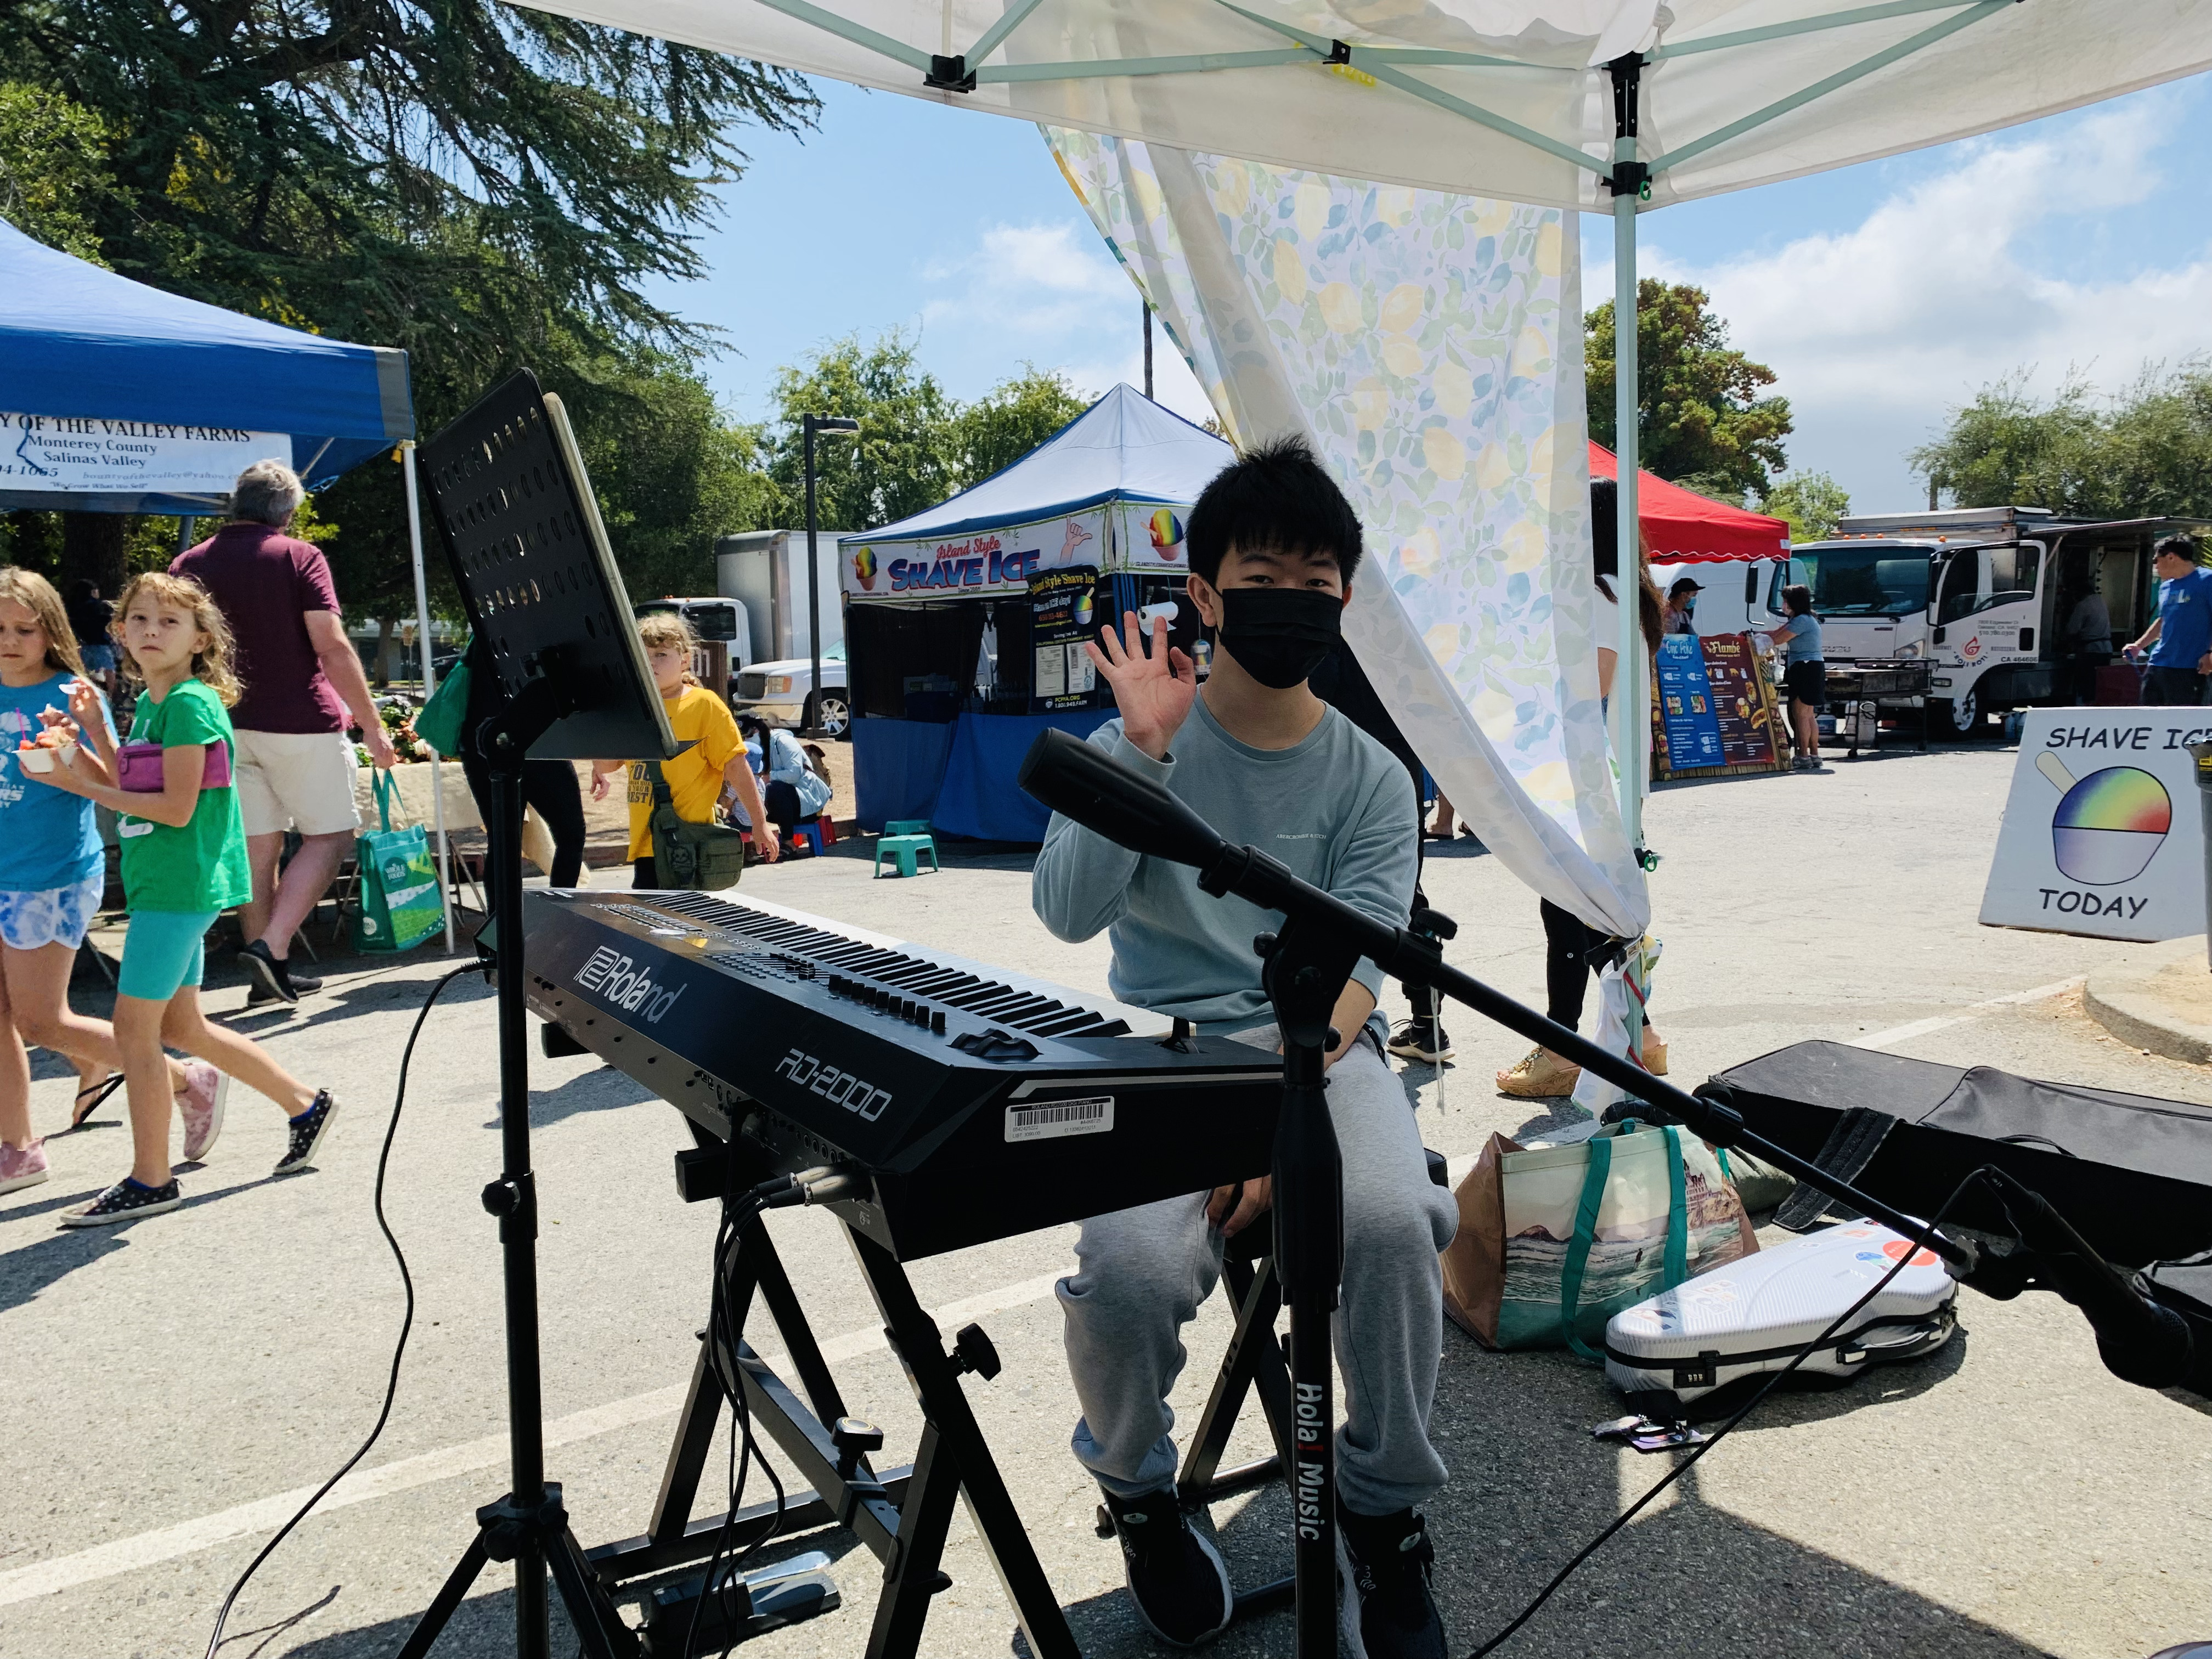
{"x": 697, "y": 777}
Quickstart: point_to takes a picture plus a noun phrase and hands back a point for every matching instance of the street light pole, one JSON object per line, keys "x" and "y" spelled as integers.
{"x": 809, "y": 424}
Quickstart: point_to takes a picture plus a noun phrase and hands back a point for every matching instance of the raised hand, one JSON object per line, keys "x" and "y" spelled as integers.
{"x": 1153, "y": 682}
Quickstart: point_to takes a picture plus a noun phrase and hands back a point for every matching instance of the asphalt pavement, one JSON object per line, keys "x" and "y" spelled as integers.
{"x": 178, "y": 1383}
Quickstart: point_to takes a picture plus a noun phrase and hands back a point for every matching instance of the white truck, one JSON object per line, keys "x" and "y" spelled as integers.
{"x": 765, "y": 570}
{"x": 1983, "y": 592}
{"x": 1739, "y": 595}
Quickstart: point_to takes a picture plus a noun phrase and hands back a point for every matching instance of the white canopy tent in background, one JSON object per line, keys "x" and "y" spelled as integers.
{"x": 1614, "y": 106}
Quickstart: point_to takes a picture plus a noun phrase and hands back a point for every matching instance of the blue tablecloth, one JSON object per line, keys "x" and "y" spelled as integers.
{"x": 979, "y": 796}
{"x": 897, "y": 768}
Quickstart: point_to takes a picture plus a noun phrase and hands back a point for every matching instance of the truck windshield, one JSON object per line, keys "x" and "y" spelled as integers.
{"x": 1866, "y": 582}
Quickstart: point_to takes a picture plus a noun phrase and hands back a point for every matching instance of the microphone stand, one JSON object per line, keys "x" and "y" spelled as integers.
{"x": 1305, "y": 972}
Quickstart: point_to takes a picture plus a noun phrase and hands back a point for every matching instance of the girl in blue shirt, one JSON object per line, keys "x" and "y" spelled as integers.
{"x": 53, "y": 874}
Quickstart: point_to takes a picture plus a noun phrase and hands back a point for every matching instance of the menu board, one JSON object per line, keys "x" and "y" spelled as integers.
{"x": 1713, "y": 708}
{"x": 1061, "y": 602}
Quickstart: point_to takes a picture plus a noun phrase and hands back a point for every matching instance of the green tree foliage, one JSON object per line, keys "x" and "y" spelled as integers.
{"x": 1012, "y": 419}
{"x": 2145, "y": 452}
{"x": 907, "y": 455}
{"x": 1701, "y": 412}
{"x": 482, "y": 185}
{"x": 1812, "y": 503}
{"x": 54, "y": 181}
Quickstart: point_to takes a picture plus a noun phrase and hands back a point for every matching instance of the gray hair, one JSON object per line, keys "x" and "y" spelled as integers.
{"x": 268, "y": 492}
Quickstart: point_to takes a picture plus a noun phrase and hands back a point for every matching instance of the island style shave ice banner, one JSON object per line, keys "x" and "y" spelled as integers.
{"x": 2102, "y": 834}
{"x": 78, "y": 455}
{"x": 996, "y": 563}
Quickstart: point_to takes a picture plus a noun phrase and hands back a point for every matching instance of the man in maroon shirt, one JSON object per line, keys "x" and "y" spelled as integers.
{"x": 303, "y": 684}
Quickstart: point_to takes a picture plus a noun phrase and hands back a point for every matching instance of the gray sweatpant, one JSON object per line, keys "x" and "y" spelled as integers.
{"x": 1141, "y": 1273}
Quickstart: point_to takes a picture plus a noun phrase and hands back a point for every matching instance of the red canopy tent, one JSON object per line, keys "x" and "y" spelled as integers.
{"x": 1685, "y": 527}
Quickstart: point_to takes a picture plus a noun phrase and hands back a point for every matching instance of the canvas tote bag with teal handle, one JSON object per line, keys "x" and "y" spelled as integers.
{"x": 400, "y": 903}
{"x": 1553, "y": 1241}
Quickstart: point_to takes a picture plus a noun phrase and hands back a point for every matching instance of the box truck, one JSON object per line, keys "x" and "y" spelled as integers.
{"x": 1983, "y": 592}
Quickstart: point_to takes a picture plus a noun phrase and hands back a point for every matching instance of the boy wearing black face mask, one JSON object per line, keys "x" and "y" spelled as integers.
{"x": 1273, "y": 545}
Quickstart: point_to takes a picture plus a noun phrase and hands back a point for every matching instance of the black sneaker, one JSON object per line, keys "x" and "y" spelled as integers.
{"x": 1176, "y": 1576}
{"x": 275, "y": 977}
{"x": 1384, "y": 1610}
{"x": 1422, "y": 1040}
{"x": 308, "y": 1131}
{"x": 258, "y": 995}
{"x": 126, "y": 1200}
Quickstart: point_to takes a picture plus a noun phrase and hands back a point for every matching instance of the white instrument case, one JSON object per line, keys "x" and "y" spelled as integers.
{"x": 1753, "y": 1314}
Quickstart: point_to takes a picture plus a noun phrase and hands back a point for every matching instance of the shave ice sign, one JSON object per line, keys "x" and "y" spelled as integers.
{"x": 2102, "y": 833}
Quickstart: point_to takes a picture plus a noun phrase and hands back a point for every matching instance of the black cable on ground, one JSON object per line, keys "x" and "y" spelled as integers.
{"x": 406, "y": 1323}
{"x": 1764, "y": 1389}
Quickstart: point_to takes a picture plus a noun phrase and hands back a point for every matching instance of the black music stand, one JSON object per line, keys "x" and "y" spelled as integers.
{"x": 515, "y": 513}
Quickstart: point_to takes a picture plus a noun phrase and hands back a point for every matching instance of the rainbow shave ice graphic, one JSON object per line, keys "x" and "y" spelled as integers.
{"x": 1167, "y": 532}
{"x": 1082, "y": 610}
{"x": 2109, "y": 825}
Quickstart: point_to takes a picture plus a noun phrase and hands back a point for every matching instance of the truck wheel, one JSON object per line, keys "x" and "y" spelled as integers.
{"x": 829, "y": 714}
{"x": 1965, "y": 714}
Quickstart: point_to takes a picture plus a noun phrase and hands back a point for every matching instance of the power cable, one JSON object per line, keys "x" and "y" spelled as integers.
{"x": 406, "y": 1323}
{"x": 1683, "y": 1468}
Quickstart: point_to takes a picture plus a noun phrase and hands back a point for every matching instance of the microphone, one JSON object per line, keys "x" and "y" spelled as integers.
{"x": 2139, "y": 1340}
{"x": 1080, "y": 782}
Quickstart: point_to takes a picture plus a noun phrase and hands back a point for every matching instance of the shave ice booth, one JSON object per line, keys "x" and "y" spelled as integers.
{"x": 964, "y": 625}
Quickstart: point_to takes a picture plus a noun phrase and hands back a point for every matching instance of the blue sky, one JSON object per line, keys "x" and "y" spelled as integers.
{"x": 1882, "y": 294}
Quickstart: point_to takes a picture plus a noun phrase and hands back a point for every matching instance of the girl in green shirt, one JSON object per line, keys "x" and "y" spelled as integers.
{"x": 184, "y": 864}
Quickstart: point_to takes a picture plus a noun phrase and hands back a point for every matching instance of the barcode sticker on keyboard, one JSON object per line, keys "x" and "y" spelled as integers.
{"x": 1048, "y": 1119}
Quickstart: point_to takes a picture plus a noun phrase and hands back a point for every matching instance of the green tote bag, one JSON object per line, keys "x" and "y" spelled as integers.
{"x": 400, "y": 902}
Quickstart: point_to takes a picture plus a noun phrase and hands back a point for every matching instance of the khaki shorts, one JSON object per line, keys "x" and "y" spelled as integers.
{"x": 299, "y": 781}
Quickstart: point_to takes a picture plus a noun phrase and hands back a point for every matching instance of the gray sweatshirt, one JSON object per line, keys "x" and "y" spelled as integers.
{"x": 1338, "y": 809}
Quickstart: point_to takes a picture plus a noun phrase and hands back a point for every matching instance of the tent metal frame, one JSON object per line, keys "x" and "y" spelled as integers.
{"x": 1625, "y": 173}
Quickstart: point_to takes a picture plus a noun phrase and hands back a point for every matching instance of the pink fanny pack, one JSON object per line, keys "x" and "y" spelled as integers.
{"x": 138, "y": 768}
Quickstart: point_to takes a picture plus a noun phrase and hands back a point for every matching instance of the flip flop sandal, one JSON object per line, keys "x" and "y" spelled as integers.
{"x": 80, "y": 1113}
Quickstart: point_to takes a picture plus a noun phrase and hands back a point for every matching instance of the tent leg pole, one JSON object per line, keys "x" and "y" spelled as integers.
{"x": 1630, "y": 722}
{"x": 423, "y": 653}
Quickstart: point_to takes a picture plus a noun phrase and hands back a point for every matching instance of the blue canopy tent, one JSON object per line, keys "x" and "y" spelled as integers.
{"x": 119, "y": 398}
{"x": 84, "y": 347}
{"x": 943, "y": 719}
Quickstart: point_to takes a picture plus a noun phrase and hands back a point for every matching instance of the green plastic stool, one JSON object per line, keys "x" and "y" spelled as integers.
{"x": 907, "y": 827}
{"x": 903, "y": 849}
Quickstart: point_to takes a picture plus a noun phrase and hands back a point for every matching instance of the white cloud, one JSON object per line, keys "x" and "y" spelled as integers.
{"x": 1038, "y": 282}
{"x": 1877, "y": 332}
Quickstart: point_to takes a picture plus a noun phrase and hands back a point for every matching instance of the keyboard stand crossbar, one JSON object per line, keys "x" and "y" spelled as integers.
{"x": 902, "y": 1514}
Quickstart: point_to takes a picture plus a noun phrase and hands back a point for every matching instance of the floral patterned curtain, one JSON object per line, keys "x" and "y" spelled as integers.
{"x": 1430, "y": 347}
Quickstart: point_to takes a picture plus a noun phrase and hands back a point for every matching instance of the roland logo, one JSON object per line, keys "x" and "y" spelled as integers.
{"x": 626, "y": 985}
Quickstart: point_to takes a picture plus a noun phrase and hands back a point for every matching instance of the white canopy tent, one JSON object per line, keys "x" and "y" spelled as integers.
{"x": 1616, "y": 105}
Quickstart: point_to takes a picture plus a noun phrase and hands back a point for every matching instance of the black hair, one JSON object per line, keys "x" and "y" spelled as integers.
{"x": 751, "y": 725}
{"x": 1605, "y": 532}
{"x": 1799, "y": 599}
{"x": 2178, "y": 547}
{"x": 1275, "y": 498}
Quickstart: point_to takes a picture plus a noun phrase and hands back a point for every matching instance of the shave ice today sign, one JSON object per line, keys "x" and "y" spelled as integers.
{"x": 2102, "y": 833}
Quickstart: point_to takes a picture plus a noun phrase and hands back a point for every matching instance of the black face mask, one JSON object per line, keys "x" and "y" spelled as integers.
{"x": 1280, "y": 635}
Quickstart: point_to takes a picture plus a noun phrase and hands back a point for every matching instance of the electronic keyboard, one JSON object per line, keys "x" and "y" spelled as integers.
{"x": 974, "y": 1103}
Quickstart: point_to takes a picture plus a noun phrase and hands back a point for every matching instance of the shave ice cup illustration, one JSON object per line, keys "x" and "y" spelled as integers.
{"x": 2109, "y": 825}
{"x": 1083, "y": 609}
{"x": 1167, "y": 532}
{"x": 864, "y": 566}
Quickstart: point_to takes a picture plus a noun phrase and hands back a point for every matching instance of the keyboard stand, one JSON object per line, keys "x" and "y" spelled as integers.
{"x": 900, "y": 1515}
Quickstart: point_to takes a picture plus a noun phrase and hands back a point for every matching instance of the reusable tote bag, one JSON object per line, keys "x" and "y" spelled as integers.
{"x": 439, "y": 722}
{"x": 1553, "y": 1241}
{"x": 702, "y": 858}
{"x": 400, "y": 903}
